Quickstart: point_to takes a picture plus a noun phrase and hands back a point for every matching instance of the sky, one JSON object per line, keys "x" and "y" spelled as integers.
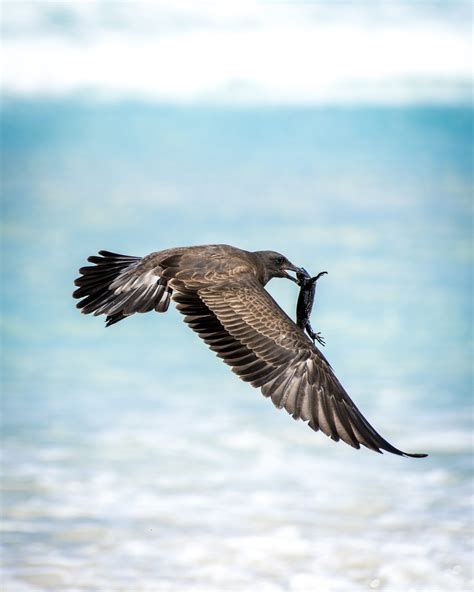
{"x": 240, "y": 52}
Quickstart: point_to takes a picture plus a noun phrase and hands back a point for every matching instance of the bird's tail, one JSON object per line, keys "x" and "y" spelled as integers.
{"x": 115, "y": 287}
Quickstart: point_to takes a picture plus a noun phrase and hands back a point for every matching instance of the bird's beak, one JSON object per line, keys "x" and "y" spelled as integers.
{"x": 297, "y": 270}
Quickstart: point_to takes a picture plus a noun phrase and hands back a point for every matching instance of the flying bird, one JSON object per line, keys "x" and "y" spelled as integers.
{"x": 220, "y": 290}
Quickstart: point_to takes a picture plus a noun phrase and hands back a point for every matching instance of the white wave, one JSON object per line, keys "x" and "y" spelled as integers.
{"x": 240, "y": 53}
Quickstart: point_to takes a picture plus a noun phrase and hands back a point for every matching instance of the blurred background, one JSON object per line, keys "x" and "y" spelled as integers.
{"x": 339, "y": 133}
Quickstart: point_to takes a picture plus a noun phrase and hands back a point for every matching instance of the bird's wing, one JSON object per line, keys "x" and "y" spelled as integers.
{"x": 244, "y": 325}
{"x": 119, "y": 285}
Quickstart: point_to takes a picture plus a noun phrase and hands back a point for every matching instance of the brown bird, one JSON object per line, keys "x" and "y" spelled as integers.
{"x": 220, "y": 291}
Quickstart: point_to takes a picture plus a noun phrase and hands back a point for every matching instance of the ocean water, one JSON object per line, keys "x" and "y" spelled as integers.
{"x": 132, "y": 458}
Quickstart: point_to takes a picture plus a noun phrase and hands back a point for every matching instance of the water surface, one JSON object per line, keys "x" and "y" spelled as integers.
{"x": 133, "y": 459}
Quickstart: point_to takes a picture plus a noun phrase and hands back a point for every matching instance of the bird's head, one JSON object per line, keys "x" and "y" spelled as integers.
{"x": 276, "y": 265}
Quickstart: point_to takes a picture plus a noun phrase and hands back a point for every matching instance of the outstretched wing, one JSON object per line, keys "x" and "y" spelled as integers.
{"x": 244, "y": 325}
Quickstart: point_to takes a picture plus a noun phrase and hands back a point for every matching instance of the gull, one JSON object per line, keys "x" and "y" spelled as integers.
{"x": 220, "y": 290}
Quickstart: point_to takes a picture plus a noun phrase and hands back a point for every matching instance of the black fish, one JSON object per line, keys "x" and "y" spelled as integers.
{"x": 305, "y": 303}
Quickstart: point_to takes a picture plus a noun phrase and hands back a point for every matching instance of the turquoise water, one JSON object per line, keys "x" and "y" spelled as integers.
{"x": 133, "y": 459}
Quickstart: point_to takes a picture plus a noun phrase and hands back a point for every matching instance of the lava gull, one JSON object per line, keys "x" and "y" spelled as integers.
{"x": 220, "y": 290}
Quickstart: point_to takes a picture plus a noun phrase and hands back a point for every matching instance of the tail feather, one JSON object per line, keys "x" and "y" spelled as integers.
{"x": 118, "y": 286}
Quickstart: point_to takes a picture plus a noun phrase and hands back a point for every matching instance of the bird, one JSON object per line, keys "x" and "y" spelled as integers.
{"x": 220, "y": 291}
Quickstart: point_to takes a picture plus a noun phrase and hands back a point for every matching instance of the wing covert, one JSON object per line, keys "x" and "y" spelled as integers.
{"x": 244, "y": 325}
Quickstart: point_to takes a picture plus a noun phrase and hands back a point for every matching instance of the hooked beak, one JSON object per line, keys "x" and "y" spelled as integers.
{"x": 297, "y": 270}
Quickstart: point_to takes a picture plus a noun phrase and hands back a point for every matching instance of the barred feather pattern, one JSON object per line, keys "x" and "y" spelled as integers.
{"x": 254, "y": 336}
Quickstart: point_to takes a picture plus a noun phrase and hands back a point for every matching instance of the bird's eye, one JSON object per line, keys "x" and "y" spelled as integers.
{"x": 280, "y": 260}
